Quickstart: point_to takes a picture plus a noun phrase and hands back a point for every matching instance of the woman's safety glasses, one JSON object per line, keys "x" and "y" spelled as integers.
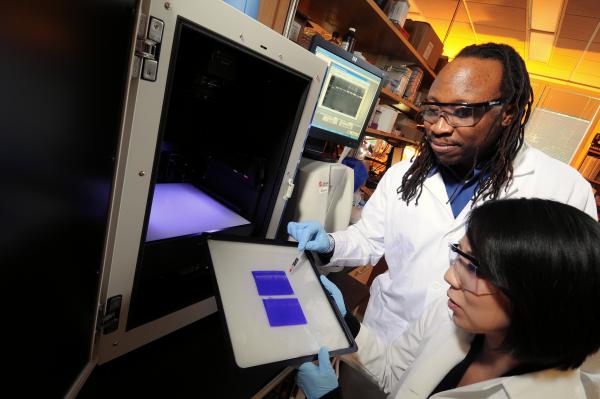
{"x": 464, "y": 267}
{"x": 457, "y": 114}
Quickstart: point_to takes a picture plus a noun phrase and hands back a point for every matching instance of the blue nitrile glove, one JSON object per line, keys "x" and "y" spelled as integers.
{"x": 314, "y": 380}
{"x": 310, "y": 235}
{"x": 335, "y": 293}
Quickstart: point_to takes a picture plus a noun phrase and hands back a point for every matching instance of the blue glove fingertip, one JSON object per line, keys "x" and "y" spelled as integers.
{"x": 324, "y": 362}
{"x": 335, "y": 293}
{"x": 324, "y": 280}
{"x": 303, "y": 238}
{"x": 291, "y": 228}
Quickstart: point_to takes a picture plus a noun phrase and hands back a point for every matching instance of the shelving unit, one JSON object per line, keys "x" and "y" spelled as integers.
{"x": 394, "y": 99}
{"x": 390, "y": 137}
{"x": 375, "y": 33}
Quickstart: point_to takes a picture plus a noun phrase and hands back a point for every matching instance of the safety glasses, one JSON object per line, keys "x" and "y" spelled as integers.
{"x": 464, "y": 267}
{"x": 457, "y": 114}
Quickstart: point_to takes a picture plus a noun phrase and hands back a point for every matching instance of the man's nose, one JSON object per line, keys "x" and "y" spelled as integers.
{"x": 441, "y": 126}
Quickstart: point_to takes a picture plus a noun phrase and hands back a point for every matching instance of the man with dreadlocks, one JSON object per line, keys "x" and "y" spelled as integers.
{"x": 473, "y": 151}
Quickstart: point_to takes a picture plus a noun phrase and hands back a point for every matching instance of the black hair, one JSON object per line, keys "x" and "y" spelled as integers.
{"x": 545, "y": 257}
{"x": 515, "y": 88}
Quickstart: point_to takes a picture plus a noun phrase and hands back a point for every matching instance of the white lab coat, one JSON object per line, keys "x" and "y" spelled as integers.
{"x": 415, "y": 363}
{"x": 415, "y": 238}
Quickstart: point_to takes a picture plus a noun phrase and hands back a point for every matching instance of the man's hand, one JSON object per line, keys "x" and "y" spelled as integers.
{"x": 310, "y": 235}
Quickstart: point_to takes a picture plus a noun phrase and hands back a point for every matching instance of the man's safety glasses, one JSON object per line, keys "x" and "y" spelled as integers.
{"x": 464, "y": 267}
{"x": 457, "y": 114}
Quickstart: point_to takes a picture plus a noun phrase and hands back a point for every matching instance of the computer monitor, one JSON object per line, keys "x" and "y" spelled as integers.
{"x": 348, "y": 95}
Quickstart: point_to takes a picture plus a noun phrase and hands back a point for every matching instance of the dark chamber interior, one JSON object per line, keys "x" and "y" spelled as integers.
{"x": 228, "y": 124}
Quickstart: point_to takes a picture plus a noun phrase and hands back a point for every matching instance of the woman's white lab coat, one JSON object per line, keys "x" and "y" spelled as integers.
{"x": 415, "y": 238}
{"x": 413, "y": 365}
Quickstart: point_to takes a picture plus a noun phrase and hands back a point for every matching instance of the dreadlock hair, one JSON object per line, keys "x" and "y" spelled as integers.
{"x": 516, "y": 89}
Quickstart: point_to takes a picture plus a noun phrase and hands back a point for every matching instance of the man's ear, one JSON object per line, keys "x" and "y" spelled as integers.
{"x": 508, "y": 115}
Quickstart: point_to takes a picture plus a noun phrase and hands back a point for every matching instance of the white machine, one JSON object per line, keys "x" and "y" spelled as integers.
{"x": 323, "y": 193}
{"x": 186, "y": 167}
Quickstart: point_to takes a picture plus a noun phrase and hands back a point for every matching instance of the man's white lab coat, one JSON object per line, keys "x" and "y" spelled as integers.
{"x": 415, "y": 362}
{"x": 415, "y": 238}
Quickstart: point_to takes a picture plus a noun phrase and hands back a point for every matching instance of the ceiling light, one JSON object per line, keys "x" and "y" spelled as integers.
{"x": 545, "y": 14}
{"x": 543, "y": 25}
{"x": 540, "y": 46}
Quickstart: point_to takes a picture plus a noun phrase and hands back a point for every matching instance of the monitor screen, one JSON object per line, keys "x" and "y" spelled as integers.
{"x": 348, "y": 95}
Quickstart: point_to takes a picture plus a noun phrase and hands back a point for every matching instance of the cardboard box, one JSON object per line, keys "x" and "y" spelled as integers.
{"x": 442, "y": 62}
{"x": 425, "y": 41}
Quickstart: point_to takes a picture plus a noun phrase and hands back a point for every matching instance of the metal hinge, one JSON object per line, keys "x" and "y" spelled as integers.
{"x": 108, "y": 316}
{"x": 147, "y": 47}
{"x": 289, "y": 190}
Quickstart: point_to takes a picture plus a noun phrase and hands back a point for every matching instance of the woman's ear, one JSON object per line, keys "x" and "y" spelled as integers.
{"x": 508, "y": 115}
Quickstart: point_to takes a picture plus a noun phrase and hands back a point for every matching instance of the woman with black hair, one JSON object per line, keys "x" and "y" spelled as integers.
{"x": 520, "y": 318}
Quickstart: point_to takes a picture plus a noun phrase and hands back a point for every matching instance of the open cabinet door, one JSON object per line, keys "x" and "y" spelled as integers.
{"x": 63, "y": 75}
{"x": 217, "y": 112}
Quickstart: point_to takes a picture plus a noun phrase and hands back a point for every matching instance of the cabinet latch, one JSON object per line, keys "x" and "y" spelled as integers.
{"x": 147, "y": 48}
{"x": 110, "y": 317}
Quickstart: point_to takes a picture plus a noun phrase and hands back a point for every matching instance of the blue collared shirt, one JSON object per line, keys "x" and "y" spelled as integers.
{"x": 459, "y": 191}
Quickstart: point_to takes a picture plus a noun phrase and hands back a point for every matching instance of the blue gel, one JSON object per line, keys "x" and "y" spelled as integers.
{"x": 284, "y": 312}
{"x": 272, "y": 282}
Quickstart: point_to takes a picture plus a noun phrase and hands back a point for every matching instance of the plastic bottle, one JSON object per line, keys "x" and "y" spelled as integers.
{"x": 349, "y": 40}
{"x": 335, "y": 38}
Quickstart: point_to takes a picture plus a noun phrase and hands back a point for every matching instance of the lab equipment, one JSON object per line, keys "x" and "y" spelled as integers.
{"x": 349, "y": 93}
{"x": 184, "y": 169}
{"x": 296, "y": 262}
{"x": 239, "y": 179}
{"x": 272, "y": 282}
{"x": 284, "y": 312}
{"x": 249, "y": 7}
{"x": 323, "y": 193}
{"x": 248, "y": 319}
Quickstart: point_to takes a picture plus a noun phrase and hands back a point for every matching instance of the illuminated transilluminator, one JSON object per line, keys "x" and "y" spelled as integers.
{"x": 180, "y": 209}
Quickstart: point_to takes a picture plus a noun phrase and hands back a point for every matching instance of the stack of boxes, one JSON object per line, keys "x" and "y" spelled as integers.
{"x": 404, "y": 79}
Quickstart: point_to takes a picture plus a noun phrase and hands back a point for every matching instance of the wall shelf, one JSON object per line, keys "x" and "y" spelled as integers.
{"x": 389, "y": 136}
{"x": 389, "y": 97}
{"x": 375, "y": 33}
{"x": 376, "y": 160}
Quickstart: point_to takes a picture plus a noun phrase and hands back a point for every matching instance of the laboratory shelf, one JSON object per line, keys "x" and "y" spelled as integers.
{"x": 388, "y": 97}
{"x": 389, "y": 136}
{"x": 375, "y": 33}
